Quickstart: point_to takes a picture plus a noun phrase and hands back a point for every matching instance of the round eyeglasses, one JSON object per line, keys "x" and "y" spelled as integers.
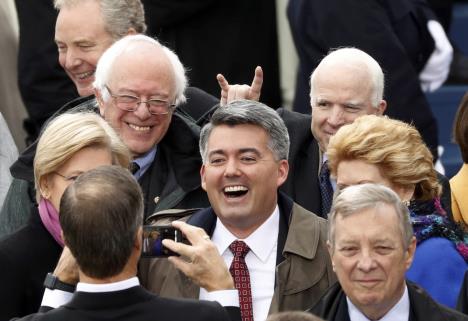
{"x": 131, "y": 103}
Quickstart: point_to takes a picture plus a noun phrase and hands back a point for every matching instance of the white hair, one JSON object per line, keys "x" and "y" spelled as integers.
{"x": 106, "y": 63}
{"x": 355, "y": 57}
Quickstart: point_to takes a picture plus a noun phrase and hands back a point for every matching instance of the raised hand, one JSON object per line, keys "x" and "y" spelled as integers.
{"x": 230, "y": 93}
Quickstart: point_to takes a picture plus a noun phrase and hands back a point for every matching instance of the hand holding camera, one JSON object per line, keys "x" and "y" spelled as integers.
{"x": 200, "y": 261}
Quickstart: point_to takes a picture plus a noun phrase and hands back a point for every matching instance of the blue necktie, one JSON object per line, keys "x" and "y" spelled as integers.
{"x": 326, "y": 189}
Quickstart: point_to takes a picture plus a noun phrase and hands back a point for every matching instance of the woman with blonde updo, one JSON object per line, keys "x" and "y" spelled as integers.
{"x": 381, "y": 150}
{"x": 71, "y": 144}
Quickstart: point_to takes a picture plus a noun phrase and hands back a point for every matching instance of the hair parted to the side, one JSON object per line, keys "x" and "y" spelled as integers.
{"x": 460, "y": 128}
{"x": 249, "y": 112}
{"x": 394, "y": 146}
{"x": 119, "y": 15}
{"x": 67, "y": 134}
{"x": 106, "y": 64}
{"x": 100, "y": 214}
{"x": 351, "y": 56}
{"x": 357, "y": 198}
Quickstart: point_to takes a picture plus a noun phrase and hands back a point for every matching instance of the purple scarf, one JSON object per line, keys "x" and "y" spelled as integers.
{"x": 50, "y": 219}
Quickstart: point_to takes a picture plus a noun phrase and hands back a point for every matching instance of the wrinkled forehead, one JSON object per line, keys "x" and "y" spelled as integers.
{"x": 348, "y": 74}
{"x": 373, "y": 224}
{"x": 142, "y": 61}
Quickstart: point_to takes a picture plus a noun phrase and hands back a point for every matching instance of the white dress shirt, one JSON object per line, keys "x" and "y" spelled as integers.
{"x": 399, "y": 312}
{"x": 261, "y": 261}
{"x": 57, "y": 298}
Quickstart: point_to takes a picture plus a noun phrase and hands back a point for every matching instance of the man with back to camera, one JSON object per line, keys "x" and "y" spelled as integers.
{"x": 347, "y": 83}
{"x": 371, "y": 263}
{"x": 85, "y": 29}
{"x": 101, "y": 215}
{"x": 279, "y": 244}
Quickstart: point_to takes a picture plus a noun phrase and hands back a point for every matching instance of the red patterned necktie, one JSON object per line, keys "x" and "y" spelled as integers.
{"x": 240, "y": 273}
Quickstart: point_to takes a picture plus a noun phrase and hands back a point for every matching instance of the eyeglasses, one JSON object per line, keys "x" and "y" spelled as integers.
{"x": 71, "y": 178}
{"x": 131, "y": 103}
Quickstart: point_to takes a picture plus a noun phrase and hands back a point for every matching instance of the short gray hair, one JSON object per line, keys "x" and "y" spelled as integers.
{"x": 106, "y": 63}
{"x": 354, "y": 56}
{"x": 356, "y": 198}
{"x": 118, "y": 15}
{"x": 249, "y": 112}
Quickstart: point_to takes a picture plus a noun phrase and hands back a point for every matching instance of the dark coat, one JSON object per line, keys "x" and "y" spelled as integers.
{"x": 302, "y": 184}
{"x": 173, "y": 179}
{"x": 26, "y": 257}
{"x": 393, "y": 32}
{"x": 333, "y": 306}
{"x": 135, "y": 304}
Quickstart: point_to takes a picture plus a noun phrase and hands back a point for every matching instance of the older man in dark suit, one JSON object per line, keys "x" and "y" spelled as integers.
{"x": 101, "y": 216}
{"x": 371, "y": 262}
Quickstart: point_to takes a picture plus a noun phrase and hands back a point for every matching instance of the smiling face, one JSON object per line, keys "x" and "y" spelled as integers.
{"x": 341, "y": 94}
{"x": 81, "y": 39}
{"x": 241, "y": 177}
{"x": 53, "y": 185}
{"x": 143, "y": 71}
{"x": 371, "y": 262}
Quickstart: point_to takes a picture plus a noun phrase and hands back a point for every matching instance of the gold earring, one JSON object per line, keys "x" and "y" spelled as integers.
{"x": 45, "y": 194}
{"x": 407, "y": 203}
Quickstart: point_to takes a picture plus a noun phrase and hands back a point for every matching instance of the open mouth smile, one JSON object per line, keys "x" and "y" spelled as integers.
{"x": 235, "y": 191}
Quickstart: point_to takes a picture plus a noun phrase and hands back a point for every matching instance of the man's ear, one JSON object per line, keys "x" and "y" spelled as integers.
{"x": 381, "y": 107}
{"x": 139, "y": 239}
{"x": 283, "y": 171}
{"x": 202, "y": 175}
{"x": 410, "y": 253}
{"x": 100, "y": 101}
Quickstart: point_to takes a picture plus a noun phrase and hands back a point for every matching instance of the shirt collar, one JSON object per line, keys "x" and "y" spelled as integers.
{"x": 222, "y": 237}
{"x": 108, "y": 287}
{"x": 399, "y": 311}
{"x": 144, "y": 162}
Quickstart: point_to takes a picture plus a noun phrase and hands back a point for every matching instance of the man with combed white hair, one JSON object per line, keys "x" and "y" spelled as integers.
{"x": 371, "y": 262}
{"x": 347, "y": 83}
{"x": 138, "y": 85}
{"x": 403, "y": 36}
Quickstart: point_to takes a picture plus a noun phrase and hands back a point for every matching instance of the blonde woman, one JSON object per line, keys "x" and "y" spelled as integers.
{"x": 71, "y": 144}
{"x": 384, "y": 151}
